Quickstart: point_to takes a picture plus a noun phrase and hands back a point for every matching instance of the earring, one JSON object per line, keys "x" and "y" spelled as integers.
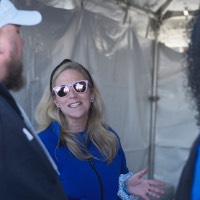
{"x": 58, "y": 106}
{"x": 92, "y": 100}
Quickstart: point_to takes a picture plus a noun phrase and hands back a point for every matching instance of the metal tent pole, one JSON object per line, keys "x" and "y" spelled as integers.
{"x": 154, "y": 98}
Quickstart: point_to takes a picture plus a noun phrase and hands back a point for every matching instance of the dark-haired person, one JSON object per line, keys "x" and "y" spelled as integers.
{"x": 189, "y": 183}
{"x": 86, "y": 150}
{"x": 26, "y": 171}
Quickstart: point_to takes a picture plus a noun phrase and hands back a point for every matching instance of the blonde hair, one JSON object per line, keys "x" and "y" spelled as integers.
{"x": 96, "y": 129}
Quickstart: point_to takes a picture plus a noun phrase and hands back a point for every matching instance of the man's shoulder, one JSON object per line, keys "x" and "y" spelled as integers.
{"x": 8, "y": 115}
{"x": 3, "y": 102}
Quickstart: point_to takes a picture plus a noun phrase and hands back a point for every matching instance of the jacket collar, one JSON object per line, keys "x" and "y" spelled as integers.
{"x": 56, "y": 128}
{"x": 4, "y": 92}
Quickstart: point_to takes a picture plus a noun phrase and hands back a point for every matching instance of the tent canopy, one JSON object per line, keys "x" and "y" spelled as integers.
{"x": 170, "y": 16}
{"x": 141, "y": 79}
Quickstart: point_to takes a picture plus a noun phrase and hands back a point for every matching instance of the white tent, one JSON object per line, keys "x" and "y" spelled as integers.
{"x": 141, "y": 79}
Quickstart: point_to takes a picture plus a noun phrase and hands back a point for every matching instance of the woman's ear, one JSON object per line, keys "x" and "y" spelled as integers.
{"x": 92, "y": 99}
{"x": 55, "y": 101}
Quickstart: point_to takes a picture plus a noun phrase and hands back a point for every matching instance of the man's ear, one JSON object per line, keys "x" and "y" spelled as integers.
{"x": 1, "y": 48}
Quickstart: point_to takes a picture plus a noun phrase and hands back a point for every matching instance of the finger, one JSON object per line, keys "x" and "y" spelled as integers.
{"x": 142, "y": 172}
{"x": 145, "y": 197}
{"x": 156, "y": 190}
{"x": 155, "y": 182}
{"x": 153, "y": 194}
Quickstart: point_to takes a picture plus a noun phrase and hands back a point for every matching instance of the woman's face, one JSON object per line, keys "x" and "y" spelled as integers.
{"x": 75, "y": 106}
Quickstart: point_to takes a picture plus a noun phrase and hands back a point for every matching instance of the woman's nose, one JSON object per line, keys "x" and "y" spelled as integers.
{"x": 72, "y": 93}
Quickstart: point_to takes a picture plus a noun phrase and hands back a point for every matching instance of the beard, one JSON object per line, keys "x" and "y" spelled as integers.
{"x": 14, "y": 79}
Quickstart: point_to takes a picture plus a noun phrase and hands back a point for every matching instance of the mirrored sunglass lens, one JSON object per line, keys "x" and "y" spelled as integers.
{"x": 63, "y": 91}
{"x": 80, "y": 87}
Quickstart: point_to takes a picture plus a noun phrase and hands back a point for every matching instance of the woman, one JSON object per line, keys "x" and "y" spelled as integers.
{"x": 86, "y": 150}
{"x": 188, "y": 187}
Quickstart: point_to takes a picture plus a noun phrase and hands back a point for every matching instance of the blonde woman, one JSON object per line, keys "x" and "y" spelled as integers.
{"x": 86, "y": 150}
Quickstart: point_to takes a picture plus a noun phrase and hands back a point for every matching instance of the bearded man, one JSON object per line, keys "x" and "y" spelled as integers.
{"x": 26, "y": 170}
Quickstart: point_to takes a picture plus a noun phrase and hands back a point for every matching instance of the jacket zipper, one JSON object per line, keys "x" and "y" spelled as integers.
{"x": 99, "y": 178}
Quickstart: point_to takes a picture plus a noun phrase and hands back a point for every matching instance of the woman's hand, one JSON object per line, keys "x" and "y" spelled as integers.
{"x": 137, "y": 185}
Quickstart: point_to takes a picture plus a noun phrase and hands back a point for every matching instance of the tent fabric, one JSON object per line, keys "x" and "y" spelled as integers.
{"x": 121, "y": 63}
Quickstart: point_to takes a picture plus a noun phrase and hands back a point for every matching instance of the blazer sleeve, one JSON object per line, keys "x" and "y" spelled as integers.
{"x": 124, "y": 168}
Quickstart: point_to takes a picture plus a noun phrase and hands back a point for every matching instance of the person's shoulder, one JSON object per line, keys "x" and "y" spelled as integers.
{"x": 113, "y": 131}
{"x": 49, "y": 136}
{"x": 196, "y": 142}
{"x": 3, "y": 105}
{"x": 198, "y": 138}
{"x": 50, "y": 131}
{"x": 109, "y": 128}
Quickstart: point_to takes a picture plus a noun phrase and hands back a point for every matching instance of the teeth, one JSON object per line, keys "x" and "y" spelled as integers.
{"x": 74, "y": 105}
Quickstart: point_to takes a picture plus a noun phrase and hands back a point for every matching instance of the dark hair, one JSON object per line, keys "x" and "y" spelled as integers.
{"x": 193, "y": 62}
{"x": 55, "y": 69}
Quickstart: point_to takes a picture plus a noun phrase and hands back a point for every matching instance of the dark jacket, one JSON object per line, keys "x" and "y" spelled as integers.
{"x": 25, "y": 171}
{"x": 184, "y": 188}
